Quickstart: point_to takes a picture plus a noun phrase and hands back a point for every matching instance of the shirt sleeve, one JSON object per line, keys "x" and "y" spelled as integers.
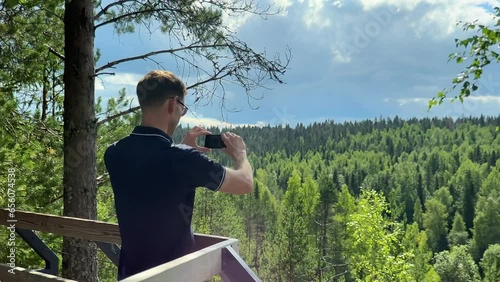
{"x": 201, "y": 171}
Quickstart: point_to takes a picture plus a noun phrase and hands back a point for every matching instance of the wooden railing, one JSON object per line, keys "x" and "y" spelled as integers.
{"x": 214, "y": 255}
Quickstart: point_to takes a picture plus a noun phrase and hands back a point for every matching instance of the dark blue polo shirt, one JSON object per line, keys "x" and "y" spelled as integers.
{"x": 154, "y": 184}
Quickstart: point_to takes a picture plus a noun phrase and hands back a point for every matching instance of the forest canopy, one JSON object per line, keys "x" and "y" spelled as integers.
{"x": 428, "y": 191}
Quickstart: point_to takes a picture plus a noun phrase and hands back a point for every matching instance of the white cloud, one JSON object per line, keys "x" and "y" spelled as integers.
{"x": 472, "y": 105}
{"x": 338, "y": 3}
{"x": 283, "y": 6}
{"x": 235, "y": 20}
{"x": 117, "y": 81}
{"x": 406, "y": 5}
{"x": 410, "y": 5}
{"x": 314, "y": 16}
{"x": 365, "y": 28}
{"x": 405, "y": 101}
{"x": 442, "y": 20}
{"x": 350, "y": 53}
{"x": 440, "y": 17}
{"x": 485, "y": 99}
{"x": 194, "y": 119}
{"x": 123, "y": 79}
{"x": 479, "y": 99}
{"x": 341, "y": 57}
{"x": 99, "y": 85}
{"x": 233, "y": 23}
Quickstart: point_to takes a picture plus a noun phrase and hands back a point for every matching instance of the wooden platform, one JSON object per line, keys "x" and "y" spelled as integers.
{"x": 214, "y": 255}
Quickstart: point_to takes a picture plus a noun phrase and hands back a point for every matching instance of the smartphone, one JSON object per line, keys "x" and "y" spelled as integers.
{"x": 214, "y": 141}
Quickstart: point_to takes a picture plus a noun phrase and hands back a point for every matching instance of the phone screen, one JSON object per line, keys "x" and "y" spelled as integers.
{"x": 214, "y": 141}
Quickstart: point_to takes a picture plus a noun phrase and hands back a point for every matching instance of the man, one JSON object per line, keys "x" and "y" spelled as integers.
{"x": 154, "y": 180}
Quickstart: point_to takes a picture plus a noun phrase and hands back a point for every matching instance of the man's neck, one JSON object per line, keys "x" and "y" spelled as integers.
{"x": 162, "y": 127}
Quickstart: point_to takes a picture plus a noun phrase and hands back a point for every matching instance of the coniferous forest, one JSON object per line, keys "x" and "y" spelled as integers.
{"x": 388, "y": 199}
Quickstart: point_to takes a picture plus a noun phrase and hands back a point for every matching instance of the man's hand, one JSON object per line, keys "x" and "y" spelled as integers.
{"x": 237, "y": 180}
{"x": 192, "y": 135}
{"x": 235, "y": 147}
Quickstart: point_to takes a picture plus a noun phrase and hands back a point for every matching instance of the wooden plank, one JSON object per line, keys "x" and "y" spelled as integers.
{"x": 206, "y": 260}
{"x": 234, "y": 268}
{"x": 197, "y": 266}
{"x": 202, "y": 241}
{"x": 84, "y": 228}
{"x": 65, "y": 226}
{"x": 25, "y": 275}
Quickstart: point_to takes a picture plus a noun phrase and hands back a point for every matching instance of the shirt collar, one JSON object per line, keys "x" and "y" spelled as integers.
{"x": 149, "y": 131}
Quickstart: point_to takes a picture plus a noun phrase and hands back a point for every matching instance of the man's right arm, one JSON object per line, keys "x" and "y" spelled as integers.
{"x": 238, "y": 180}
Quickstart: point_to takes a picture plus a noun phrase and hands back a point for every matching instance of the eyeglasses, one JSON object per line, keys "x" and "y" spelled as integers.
{"x": 184, "y": 108}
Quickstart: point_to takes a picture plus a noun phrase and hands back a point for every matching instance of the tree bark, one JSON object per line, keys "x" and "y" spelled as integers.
{"x": 45, "y": 90}
{"x": 80, "y": 187}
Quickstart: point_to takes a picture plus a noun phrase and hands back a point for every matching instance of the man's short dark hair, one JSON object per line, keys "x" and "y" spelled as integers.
{"x": 156, "y": 86}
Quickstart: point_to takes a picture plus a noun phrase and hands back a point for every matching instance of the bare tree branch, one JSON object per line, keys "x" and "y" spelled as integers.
{"x": 102, "y": 73}
{"x": 102, "y": 179}
{"x": 40, "y": 125}
{"x": 51, "y": 50}
{"x": 109, "y": 6}
{"x": 213, "y": 78}
{"x": 56, "y": 199}
{"x": 144, "y": 56}
{"x": 214, "y": 54}
{"x": 340, "y": 274}
{"x": 130, "y": 15}
{"x": 131, "y": 110}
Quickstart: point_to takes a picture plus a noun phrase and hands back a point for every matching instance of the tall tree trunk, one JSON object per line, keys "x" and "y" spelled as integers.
{"x": 80, "y": 188}
{"x": 53, "y": 96}
{"x": 45, "y": 90}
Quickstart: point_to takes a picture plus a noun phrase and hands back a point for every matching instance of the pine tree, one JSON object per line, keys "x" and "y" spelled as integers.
{"x": 458, "y": 234}
{"x": 296, "y": 242}
{"x": 419, "y": 216}
{"x": 327, "y": 192}
{"x": 343, "y": 209}
{"x": 469, "y": 201}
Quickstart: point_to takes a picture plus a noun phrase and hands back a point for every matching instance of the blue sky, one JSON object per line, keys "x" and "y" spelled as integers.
{"x": 351, "y": 60}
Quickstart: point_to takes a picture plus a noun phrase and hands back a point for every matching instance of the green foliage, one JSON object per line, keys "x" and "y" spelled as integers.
{"x": 487, "y": 220}
{"x": 435, "y": 224}
{"x": 304, "y": 220}
{"x": 466, "y": 183}
{"x": 490, "y": 263}
{"x": 374, "y": 251}
{"x": 343, "y": 209}
{"x": 432, "y": 276}
{"x": 33, "y": 152}
{"x": 276, "y": 235}
{"x": 456, "y": 266}
{"x": 31, "y": 37}
{"x": 415, "y": 241}
{"x": 403, "y": 196}
{"x": 458, "y": 234}
{"x": 296, "y": 219}
{"x": 480, "y": 50}
{"x": 418, "y": 215}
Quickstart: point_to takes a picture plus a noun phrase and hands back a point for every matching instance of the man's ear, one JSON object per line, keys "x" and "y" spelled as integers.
{"x": 170, "y": 104}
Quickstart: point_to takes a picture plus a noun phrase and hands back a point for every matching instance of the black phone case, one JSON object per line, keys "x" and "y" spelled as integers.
{"x": 214, "y": 141}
